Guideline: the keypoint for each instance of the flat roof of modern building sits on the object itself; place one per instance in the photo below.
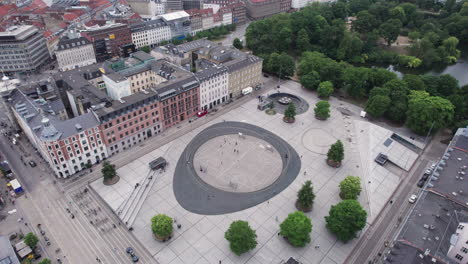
(18, 32)
(175, 15)
(7, 253)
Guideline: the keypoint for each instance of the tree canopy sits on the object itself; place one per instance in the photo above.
(325, 89)
(237, 43)
(427, 112)
(346, 219)
(290, 112)
(45, 261)
(296, 229)
(31, 240)
(322, 110)
(241, 237)
(336, 152)
(161, 225)
(108, 170)
(306, 196)
(350, 188)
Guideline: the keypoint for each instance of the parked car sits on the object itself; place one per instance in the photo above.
(265, 75)
(425, 177)
(32, 163)
(413, 198)
(420, 183)
(202, 113)
(428, 171)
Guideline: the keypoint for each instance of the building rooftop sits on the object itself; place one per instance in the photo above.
(432, 223)
(405, 252)
(442, 206)
(147, 25)
(449, 177)
(18, 32)
(7, 253)
(67, 43)
(175, 15)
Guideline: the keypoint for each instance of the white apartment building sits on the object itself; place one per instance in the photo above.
(148, 8)
(207, 21)
(214, 86)
(74, 53)
(150, 33)
(227, 18)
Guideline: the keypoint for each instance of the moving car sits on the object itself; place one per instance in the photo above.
(32, 163)
(413, 198)
(202, 113)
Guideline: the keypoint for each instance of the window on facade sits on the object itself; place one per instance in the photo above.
(464, 250)
(459, 257)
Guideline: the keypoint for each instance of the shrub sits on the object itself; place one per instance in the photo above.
(161, 225)
(350, 188)
(322, 110)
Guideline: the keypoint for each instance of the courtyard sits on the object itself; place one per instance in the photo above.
(230, 176)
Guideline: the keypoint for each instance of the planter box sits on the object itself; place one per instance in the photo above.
(289, 120)
(305, 210)
(334, 164)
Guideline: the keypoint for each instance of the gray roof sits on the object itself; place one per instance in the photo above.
(207, 73)
(66, 43)
(148, 25)
(36, 119)
(404, 252)
(196, 44)
(432, 223)
(451, 176)
(7, 253)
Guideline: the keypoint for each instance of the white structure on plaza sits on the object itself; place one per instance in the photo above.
(214, 86)
(74, 53)
(300, 3)
(150, 33)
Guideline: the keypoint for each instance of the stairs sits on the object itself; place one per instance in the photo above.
(129, 208)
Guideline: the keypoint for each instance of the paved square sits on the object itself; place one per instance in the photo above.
(201, 238)
(237, 164)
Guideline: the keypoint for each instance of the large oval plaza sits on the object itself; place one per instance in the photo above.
(244, 164)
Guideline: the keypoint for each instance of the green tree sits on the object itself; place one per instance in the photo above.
(306, 196)
(303, 41)
(350, 48)
(290, 112)
(346, 219)
(296, 229)
(282, 65)
(241, 237)
(355, 79)
(365, 22)
(449, 51)
(108, 171)
(377, 105)
(161, 225)
(310, 80)
(237, 43)
(322, 110)
(426, 112)
(325, 89)
(336, 152)
(350, 188)
(414, 82)
(146, 49)
(399, 96)
(45, 261)
(390, 29)
(31, 240)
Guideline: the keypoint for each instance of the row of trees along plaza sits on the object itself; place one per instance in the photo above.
(327, 45)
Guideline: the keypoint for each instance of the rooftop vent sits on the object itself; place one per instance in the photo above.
(78, 127)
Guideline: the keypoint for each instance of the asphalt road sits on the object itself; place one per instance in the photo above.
(385, 226)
